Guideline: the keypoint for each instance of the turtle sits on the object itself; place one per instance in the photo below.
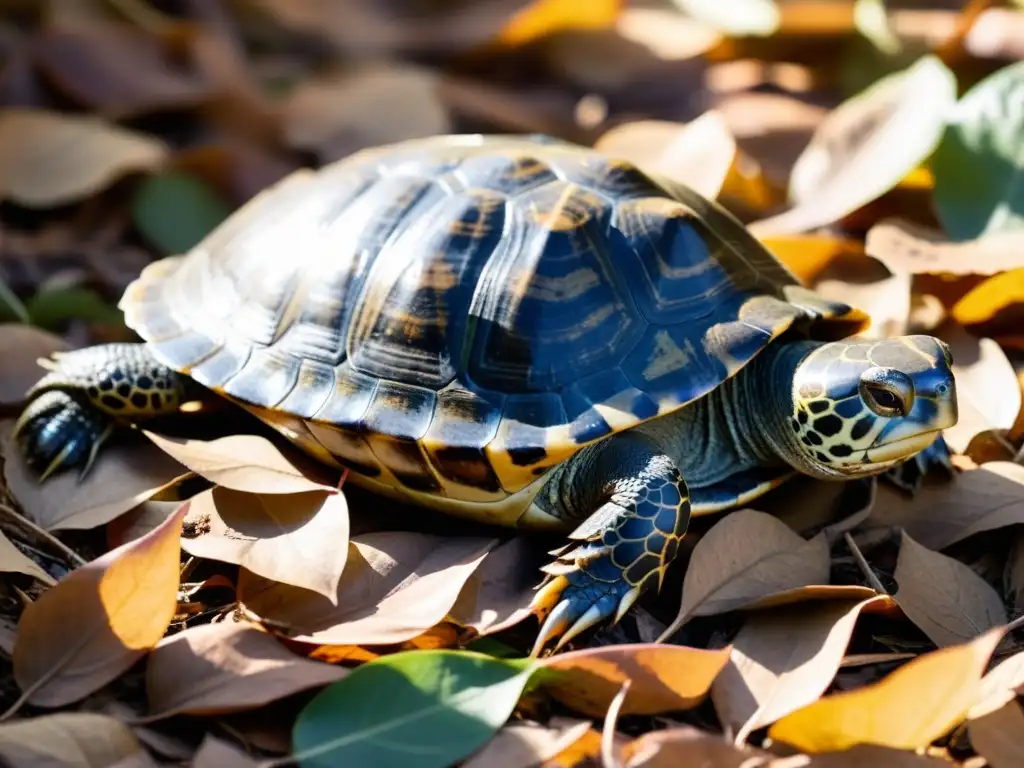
(519, 330)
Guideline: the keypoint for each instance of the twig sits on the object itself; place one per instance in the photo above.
(49, 537)
(863, 563)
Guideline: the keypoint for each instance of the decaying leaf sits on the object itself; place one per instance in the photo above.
(996, 736)
(744, 557)
(905, 247)
(121, 478)
(698, 154)
(527, 744)
(81, 739)
(908, 709)
(14, 560)
(20, 347)
(49, 159)
(999, 686)
(782, 660)
(119, 607)
(248, 463)
(943, 597)
(298, 538)
(863, 148)
(226, 667)
(685, 744)
(395, 586)
(215, 753)
(663, 678)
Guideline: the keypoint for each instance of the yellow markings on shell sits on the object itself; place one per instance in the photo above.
(558, 446)
(667, 356)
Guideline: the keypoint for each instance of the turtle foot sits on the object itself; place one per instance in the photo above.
(57, 432)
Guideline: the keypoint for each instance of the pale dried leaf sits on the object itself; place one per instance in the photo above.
(867, 285)
(999, 685)
(119, 606)
(996, 736)
(298, 538)
(783, 660)
(527, 744)
(698, 154)
(908, 248)
(139, 521)
(20, 347)
(747, 556)
(79, 739)
(859, 756)
(248, 463)
(370, 107)
(982, 499)
(396, 585)
(988, 393)
(49, 159)
(947, 600)
(14, 560)
(215, 753)
(666, 34)
(226, 667)
(688, 746)
(122, 477)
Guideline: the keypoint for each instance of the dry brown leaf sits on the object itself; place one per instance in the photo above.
(13, 560)
(248, 463)
(982, 499)
(226, 667)
(527, 744)
(908, 248)
(79, 739)
(744, 557)
(139, 521)
(908, 709)
(236, 169)
(996, 736)
(822, 592)
(499, 593)
(946, 600)
(1013, 574)
(116, 69)
(860, 756)
(122, 477)
(782, 660)
(49, 159)
(987, 390)
(366, 108)
(865, 146)
(396, 585)
(663, 678)
(999, 686)
(698, 154)
(869, 286)
(119, 607)
(688, 746)
(215, 753)
(20, 347)
(297, 538)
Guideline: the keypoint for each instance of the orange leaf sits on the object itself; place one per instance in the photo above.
(546, 17)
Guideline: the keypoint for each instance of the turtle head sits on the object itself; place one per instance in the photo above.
(861, 407)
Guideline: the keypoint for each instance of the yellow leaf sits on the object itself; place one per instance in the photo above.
(546, 17)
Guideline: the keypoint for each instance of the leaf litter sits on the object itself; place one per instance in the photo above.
(284, 585)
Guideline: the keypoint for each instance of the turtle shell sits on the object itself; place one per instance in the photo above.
(454, 316)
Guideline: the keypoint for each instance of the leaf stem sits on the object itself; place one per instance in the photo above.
(865, 568)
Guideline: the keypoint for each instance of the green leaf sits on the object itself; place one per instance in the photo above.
(51, 309)
(175, 210)
(415, 709)
(979, 165)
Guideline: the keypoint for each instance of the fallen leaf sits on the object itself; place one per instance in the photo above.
(215, 753)
(744, 557)
(999, 686)
(299, 538)
(20, 347)
(977, 165)
(122, 477)
(226, 667)
(668, 35)
(946, 599)
(174, 211)
(809, 256)
(686, 746)
(431, 708)
(996, 736)
(372, 106)
(987, 392)
(663, 678)
(861, 755)
(698, 154)
(120, 605)
(139, 521)
(868, 285)
(822, 592)
(395, 586)
(88, 63)
(543, 18)
(907, 709)
(739, 18)
(80, 739)
(865, 146)
(782, 660)
(13, 560)
(982, 499)
(49, 159)
(908, 248)
(248, 463)
(1013, 574)
(998, 299)
(526, 744)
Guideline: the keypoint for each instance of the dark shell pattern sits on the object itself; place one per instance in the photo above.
(456, 315)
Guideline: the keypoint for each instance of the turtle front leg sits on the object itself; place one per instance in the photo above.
(87, 392)
(640, 509)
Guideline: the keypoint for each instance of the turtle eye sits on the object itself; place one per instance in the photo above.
(887, 392)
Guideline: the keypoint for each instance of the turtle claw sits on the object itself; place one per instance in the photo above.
(56, 432)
